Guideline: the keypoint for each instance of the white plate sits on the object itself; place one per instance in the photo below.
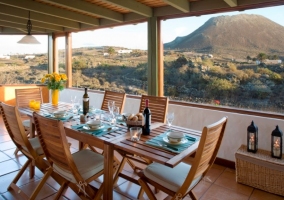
(93, 129)
(184, 140)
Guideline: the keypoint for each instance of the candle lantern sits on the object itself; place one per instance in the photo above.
(252, 138)
(276, 143)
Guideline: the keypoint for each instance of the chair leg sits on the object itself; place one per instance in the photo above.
(99, 193)
(18, 176)
(41, 183)
(192, 196)
(147, 189)
(61, 190)
(16, 151)
(120, 168)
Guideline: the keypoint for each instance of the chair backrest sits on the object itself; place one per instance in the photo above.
(23, 96)
(118, 97)
(206, 153)
(15, 129)
(54, 143)
(158, 107)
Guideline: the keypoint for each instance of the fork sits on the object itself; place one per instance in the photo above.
(167, 146)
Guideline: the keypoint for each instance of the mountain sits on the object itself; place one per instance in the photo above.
(244, 33)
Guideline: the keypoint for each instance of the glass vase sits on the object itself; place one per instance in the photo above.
(55, 97)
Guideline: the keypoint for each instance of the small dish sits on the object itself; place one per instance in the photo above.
(94, 124)
(183, 141)
(93, 129)
(175, 136)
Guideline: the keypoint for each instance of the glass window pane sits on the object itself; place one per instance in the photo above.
(111, 59)
(22, 63)
(229, 59)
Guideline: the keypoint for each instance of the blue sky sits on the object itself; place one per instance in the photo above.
(132, 36)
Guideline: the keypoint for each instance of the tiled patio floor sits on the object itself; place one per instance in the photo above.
(219, 184)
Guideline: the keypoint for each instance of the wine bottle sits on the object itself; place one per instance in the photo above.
(85, 102)
(147, 118)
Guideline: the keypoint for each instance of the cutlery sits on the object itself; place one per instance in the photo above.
(167, 146)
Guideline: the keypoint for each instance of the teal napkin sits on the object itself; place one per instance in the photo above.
(100, 132)
(177, 148)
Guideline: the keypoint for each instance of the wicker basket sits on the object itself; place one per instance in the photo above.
(260, 170)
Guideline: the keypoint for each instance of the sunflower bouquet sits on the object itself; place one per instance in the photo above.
(54, 81)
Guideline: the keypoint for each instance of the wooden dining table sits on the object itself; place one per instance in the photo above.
(119, 139)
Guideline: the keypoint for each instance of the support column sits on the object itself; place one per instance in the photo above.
(68, 57)
(155, 58)
(152, 56)
(55, 54)
(50, 53)
(160, 62)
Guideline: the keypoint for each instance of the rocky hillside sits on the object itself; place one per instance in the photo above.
(242, 34)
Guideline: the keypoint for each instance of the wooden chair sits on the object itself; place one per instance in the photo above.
(158, 107)
(179, 181)
(118, 97)
(79, 168)
(23, 97)
(30, 147)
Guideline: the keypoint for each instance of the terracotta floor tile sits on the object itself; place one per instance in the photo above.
(228, 180)
(53, 196)
(45, 191)
(10, 153)
(201, 188)
(262, 195)
(5, 138)
(6, 179)
(70, 194)
(8, 167)
(216, 192)
(214, 173)
(7, 145)
(3, 157)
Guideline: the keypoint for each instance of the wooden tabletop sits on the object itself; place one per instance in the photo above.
(120, 140)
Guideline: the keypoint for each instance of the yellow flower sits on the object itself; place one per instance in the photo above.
(57, 78)
(63, 77)
(42, 80)
(54, 81)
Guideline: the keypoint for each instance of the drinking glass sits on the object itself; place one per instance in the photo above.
(116, 112)
(170, 119)
(77, 105)
(73, 99)
(111, 105)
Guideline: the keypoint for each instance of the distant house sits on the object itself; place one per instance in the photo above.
(124, 51)
(29, 57)
(210, 55)
(4, 57)
(106, 54)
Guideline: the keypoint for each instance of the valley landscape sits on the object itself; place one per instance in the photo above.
(234, 61)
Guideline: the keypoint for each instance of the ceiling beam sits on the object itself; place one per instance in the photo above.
(34, 23)
(182, 5)
(232, 3)
(133, 6)
(8, 30)
(89, 8)
(51, 10)
(23, 27)
(17, 12)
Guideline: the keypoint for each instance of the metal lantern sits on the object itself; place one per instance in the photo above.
(252, 138)
(276, 143)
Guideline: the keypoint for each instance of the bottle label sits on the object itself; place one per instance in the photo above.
(85, 99)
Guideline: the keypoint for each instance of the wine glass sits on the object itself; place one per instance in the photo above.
(111, 105)
(73, 99)
(170, 119)
(77, 105)
(116, 112)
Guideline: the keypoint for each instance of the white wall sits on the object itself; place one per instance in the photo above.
(197, 118)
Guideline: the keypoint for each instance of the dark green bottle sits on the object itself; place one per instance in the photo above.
(85, 102)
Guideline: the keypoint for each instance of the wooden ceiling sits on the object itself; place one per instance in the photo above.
(57, 16)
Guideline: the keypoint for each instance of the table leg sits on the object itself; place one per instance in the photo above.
(108, 171)
(32, 128)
